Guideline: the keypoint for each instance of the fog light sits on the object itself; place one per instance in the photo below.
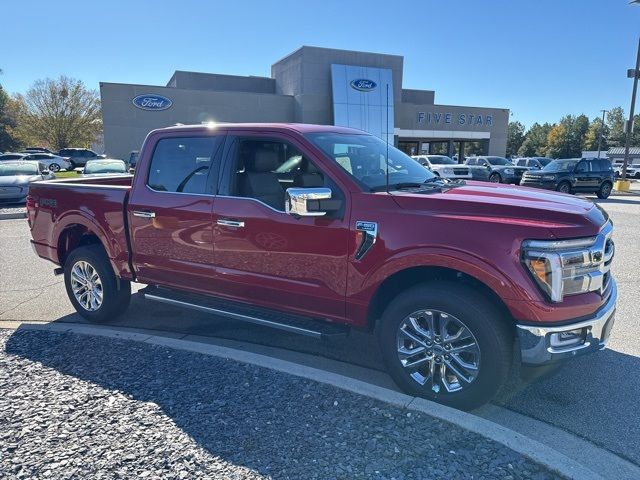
(567, 339)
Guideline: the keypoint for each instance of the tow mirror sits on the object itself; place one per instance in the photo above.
(310, 202)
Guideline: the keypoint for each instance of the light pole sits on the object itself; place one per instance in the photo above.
(635, 73)
(601, 131)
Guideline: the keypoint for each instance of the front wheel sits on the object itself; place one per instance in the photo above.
(604, 191)
(446, 343)
(495, 178)
(92, 286)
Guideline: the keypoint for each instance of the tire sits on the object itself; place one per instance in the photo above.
(564, 187)
(495, 178)
(605, 190)
(492, 337)
(54, 167)
(116, 293)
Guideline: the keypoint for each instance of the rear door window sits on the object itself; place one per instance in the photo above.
(184, 164)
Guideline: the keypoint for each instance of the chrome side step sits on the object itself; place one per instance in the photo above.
(298, 325)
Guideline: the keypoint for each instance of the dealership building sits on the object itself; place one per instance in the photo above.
(311, 85)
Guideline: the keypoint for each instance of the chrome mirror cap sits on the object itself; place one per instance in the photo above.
(297, 198)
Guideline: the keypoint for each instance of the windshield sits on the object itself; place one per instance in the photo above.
(499, 161)
(561, 165)
(12, 169)
(441, 160)
(544, 161)
(115, 166)
(363, 157)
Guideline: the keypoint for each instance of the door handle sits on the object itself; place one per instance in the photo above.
(230, 223)
(144, 214)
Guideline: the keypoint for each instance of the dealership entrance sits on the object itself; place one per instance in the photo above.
(460, 148)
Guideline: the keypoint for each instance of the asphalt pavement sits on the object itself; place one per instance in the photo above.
(594, 397)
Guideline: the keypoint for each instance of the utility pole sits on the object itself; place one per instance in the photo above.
(601, 132)
(629, 130)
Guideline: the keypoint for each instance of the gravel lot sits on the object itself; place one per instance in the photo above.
(74, 406)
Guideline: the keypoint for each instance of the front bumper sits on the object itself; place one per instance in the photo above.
(534, 183)
(536, 340)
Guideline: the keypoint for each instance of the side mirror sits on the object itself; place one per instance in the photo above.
(310, 202)
(45, 172)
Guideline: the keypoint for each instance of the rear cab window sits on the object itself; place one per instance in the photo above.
(184, 165)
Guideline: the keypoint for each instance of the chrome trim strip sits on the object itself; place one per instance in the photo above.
(535, 347)
(235, 316)
(254, 199)
(143, 214)
(230, 223)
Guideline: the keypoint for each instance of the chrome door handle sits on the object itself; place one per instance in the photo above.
(230, 223)
(144, 214)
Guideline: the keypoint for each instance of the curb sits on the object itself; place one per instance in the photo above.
(13, 216)
(517, 442)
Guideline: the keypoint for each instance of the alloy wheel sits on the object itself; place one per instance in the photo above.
(86, 285)
(437, 350)
(54, 167)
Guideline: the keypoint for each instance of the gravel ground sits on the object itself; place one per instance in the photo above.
(74, 406)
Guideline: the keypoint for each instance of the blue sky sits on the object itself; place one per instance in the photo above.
(540, 58)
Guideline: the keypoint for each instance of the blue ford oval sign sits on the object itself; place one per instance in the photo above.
(363, 85)
(152, 102)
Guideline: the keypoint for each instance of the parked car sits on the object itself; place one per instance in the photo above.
(454, 278)
(633, 169)
(11, 156)
(573, 175)
(15, 177)
(499, 169)
(443, 166)
(79, 156)
(54, 163)
(533, 163)
(107, 166)
(133, 159)
(37, 150)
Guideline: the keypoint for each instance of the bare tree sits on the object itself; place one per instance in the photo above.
(58, 113)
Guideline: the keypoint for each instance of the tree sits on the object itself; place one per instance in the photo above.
(566, 139)
(7, 123)
(615, 123)
(515, 137)
(535, 142)
(592, 138)
(557, 141)
(58, 113)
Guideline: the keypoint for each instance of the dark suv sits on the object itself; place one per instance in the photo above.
(79, 156)
(573, 175)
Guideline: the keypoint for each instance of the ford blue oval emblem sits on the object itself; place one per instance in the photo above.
(152, 102)
(363, 85)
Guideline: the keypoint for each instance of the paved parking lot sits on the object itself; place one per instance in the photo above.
(594, 397)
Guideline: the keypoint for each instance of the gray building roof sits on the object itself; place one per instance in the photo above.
(619, 152)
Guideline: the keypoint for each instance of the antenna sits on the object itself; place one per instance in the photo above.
(386, 136)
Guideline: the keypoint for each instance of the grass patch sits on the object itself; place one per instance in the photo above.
(70, 174)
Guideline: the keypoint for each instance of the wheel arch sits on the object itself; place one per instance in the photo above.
(75, 235)
(409, 277)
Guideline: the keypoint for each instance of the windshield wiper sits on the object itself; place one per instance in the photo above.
(401, 185)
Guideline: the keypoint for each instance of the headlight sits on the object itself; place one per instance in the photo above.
(548, 177)
(568, 267)
(447, 170)
(508, 171)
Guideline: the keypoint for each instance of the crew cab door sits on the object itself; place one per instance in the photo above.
(170, 210)
(265, 256)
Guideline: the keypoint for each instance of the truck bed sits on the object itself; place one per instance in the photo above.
(89, 206)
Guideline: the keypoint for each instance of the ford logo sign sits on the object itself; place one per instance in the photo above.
(152, 102)
(363, 85)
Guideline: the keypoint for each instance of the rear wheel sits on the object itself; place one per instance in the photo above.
(564, 187)
(605, 190)
(92, 286)
(54, 167)
(446, 343)
(495, 178)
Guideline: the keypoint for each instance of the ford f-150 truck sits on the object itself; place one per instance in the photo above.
(320, 229)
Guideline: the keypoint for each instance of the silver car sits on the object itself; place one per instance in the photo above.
(15, 177)
(107, 166)
(443, 166)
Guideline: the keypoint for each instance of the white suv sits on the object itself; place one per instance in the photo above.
(443, 166)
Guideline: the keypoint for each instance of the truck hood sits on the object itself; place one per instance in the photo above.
(564, 216)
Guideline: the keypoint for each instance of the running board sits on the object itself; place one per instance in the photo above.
(310, 327)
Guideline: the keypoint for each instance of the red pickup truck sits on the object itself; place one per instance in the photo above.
(320, 229)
